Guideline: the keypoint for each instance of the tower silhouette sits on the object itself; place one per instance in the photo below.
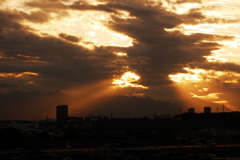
(62, 113)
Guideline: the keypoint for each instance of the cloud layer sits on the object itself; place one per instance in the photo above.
(61, 61)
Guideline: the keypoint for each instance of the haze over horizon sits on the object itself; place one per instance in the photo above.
(37, 106)
(169, 50)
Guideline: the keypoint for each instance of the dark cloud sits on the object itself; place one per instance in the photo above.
(54, 59)
(50, 6)
(38, 16)
(6, 85)
(14, 16)
(195, 16)
(79, 5)
(155, 53)
(147, 13)
(216, 66)
(164, 52)
(69, 37)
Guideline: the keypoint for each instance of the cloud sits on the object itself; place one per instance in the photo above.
(38, 16)
(165, 51)
(196, 16)
(15, 16)
(193, 17)
(217, 66)
(221, 21)
(188, 1)
(85, 6)
(62, 63)
(69, 37)
(76, 5)
(47, 5)
(7, 85)
(53, 58)
(2, 1)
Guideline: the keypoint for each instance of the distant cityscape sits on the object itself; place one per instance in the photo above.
(187, 135)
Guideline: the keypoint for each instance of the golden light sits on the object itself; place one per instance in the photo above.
(231, 44)
(193, 75)
(182, 77)
(88, 94)
(199, 28)
(125, 15)
(89, 26)
(18, 74)
(94, 2)
(203, 90)
(202, 81)
(225, 26)
(213, 58)
(128, 79)
(211, 97)
(120, 54)
(208, 76)
(222, 102)
(224, 55)
(185, 7)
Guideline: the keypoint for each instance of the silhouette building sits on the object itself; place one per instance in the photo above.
(62, 113)
(207, 109)
(191, 110)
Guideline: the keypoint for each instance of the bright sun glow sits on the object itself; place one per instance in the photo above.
(191, 76)
(196, 81)
(128, 79)
(201, 75)
(183, 77)
(211, 97)
(120, 54)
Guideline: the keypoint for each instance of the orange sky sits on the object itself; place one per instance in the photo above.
(169, 50)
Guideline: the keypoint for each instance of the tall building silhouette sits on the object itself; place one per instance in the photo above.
(207, 109)
(191, 110)
(62, 113)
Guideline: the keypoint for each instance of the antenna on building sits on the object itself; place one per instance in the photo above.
(223, 108)
(217, 109)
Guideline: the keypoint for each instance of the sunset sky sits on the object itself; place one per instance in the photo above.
(169, 50)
